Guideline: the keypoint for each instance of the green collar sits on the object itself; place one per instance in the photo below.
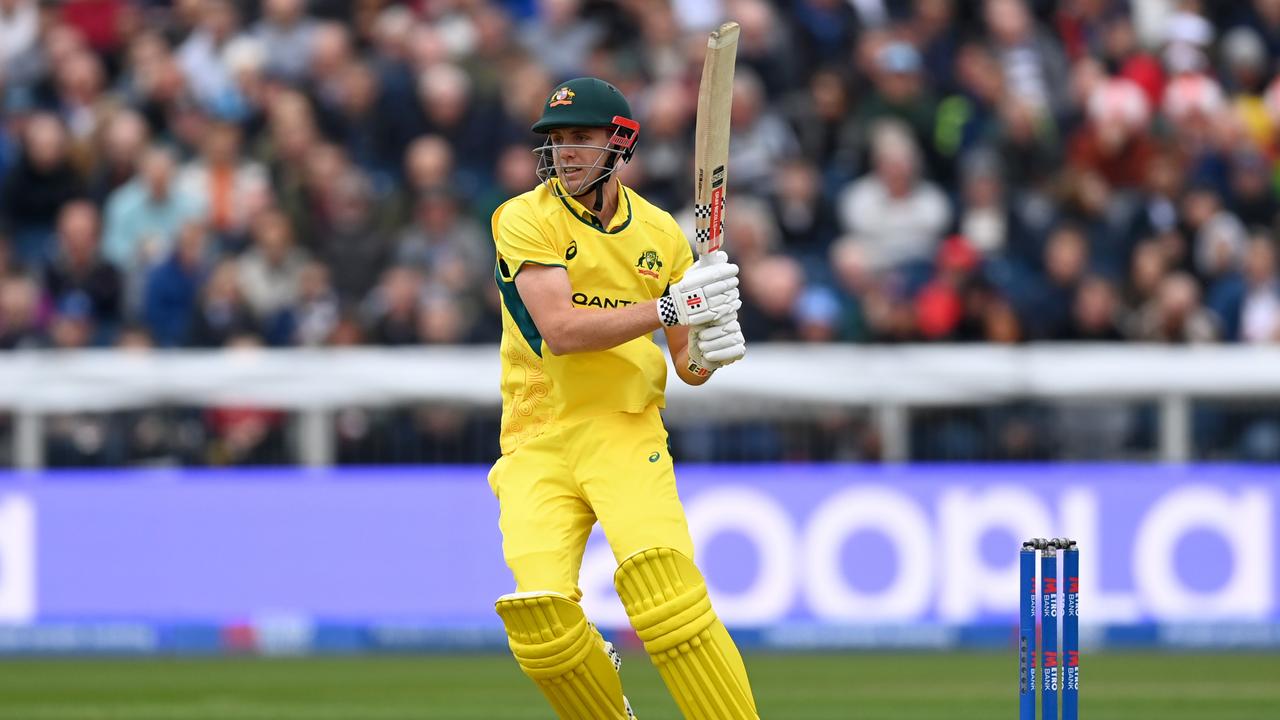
(586, 217)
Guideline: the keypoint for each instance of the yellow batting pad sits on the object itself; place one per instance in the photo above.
(666, 599)
(564, 654)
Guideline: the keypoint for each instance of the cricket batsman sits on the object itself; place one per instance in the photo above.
(588, 270)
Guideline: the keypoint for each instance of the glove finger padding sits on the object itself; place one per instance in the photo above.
(725, 326)
(711, 345)
(727, 356)
(720, 287)
(724, 305)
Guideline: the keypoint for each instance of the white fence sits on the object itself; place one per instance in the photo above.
(892, 381)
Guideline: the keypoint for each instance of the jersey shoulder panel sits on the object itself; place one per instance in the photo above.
(523, 234)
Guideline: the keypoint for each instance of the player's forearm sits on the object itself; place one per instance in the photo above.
(588, 330)
(681, 361)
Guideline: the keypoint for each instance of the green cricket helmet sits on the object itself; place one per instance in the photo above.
(588, 102)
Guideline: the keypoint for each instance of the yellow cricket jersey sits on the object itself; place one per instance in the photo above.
(634, 259)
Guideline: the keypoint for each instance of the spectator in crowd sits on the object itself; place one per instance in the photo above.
(447, 246)
(1095, 312)
(1114, 142)
(560, 37)
(765, 47)
(172, 287)
(826, 127)
(234, 186)
(940, 305)
(1033, 63)
(42, 181)
(1220, 246)
(753, 228)
(270, 273)
(143, 217)
(78, 276)
(772, 288)
(451, 108)
(894, 211)
(985, 219)
(1252, 197)
(429, 167)
(1260, 310)
(516, 164)
(285, 33)
(900, 94)
(80, 100)
(851, 281)
(356, 123)
(200, 56)
(151, 81)
(1066, 261)
(760, 138)
(19, 28)
(221, 314)
(1028, 146)
(666, 178)
(354, 244)
(20, 314)
(297, 161)
(1175, 315)
(968, 117)
(825, 30)
(124, 139)
(393, 308)
(805, 216)
(314, 317)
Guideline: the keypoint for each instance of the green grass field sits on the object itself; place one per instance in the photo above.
(865, 686)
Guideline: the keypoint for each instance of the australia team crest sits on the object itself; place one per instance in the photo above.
(649, 263)
(563, 96)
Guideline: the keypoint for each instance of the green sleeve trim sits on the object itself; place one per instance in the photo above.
(539, 264)
(516, 307)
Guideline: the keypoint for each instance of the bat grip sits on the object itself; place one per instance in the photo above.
(707, 259)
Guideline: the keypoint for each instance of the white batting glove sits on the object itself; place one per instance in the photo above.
(712, 347)
(704, 295)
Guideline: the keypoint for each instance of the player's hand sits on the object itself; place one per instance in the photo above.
(712, 347)
(705, 295)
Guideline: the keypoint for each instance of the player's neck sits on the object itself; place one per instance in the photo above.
(608, 204)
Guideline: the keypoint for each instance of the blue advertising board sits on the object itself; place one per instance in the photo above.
(795, 555)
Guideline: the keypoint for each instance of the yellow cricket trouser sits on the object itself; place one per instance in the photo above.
(551, 490)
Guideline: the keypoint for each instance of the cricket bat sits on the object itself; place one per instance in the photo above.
(711, 141)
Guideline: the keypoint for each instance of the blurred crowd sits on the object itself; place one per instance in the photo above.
(209, 173)
(294, 172)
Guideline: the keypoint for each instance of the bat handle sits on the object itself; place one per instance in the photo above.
(706, 259)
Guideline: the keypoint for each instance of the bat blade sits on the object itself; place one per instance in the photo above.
(711, 141)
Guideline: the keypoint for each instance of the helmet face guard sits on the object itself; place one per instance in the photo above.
(621, 145)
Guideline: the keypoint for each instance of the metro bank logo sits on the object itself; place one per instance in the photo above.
(17, 559)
